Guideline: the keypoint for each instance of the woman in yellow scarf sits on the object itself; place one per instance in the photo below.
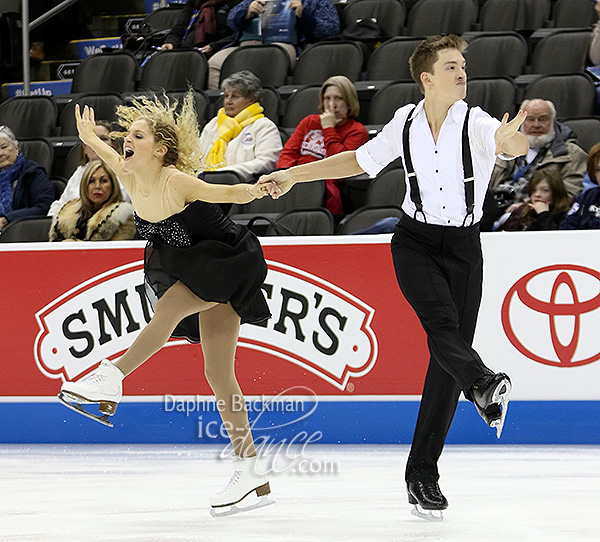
(240, 138)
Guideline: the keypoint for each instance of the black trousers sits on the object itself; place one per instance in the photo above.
(440, 273)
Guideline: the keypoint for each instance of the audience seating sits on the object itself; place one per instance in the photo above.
(587, 130)
(573, 95)
(562, 51)
(492, 54)
(431, 17)
(39, 150)
(390, 60)
(104, 73)
(29, 116)
(318, 221)
(366, 216)
(270, 63)
(175, 69)
(388, 188)
(496, 95)
(390, 15)
(26, 230)
(104, 106)
(322, 60)
(390, 98)
(305, 101)
(573, 13)
(519, 15)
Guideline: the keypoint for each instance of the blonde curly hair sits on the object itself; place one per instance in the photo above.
(173, 126)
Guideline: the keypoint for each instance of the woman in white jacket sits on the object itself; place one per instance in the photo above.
(240, 138)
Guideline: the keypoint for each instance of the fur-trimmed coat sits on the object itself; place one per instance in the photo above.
(112, 222)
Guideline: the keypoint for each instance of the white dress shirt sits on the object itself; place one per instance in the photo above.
(438, 165)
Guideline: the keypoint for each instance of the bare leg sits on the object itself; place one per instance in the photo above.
(177, 303)
(219, 329)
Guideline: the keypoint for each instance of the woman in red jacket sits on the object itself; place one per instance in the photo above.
(333, 131)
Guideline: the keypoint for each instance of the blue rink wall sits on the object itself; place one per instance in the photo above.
(325, 422)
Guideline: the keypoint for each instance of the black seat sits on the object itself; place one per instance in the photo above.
(320, 61)
(222, 177)
(562, 51)
(201, 104)
(104, 106)
(497, 95)
(29, 116)
(492, 54)
(367, 216)
(432, 17)
(71, 161)
(587, 130)
(518, 15)
(390, 60)
(59, 184)
(270, 63)
(573, 95)
(175, 69)
(106, 72)
(305, 101)
(39, 150)
(390, 98)
(27, 230)
(317, 221)
(164, 18)
(390, 15)
(388, 188)
(573, 13)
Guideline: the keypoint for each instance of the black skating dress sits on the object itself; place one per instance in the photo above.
(214, 257)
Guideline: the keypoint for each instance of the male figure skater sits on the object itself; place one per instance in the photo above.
(449, 152)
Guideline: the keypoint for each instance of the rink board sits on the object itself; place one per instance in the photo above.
(342, 359)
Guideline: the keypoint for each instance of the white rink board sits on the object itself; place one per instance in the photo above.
(569, 263)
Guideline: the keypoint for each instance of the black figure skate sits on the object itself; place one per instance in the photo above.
(428, 500)
(490, 396)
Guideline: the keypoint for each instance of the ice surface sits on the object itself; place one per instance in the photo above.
(142, 493)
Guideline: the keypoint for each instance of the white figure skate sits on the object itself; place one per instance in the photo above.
(245, 480)
(104, 385)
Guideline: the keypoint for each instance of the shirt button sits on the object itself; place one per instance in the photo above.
(448, 222)
(441, 188)
(437, 170)
(443, 207)
(436, 152)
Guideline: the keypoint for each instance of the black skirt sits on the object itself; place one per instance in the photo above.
(218, 260)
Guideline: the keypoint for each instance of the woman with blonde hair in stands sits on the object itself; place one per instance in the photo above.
(334, 130)
(99, 213)
(206, 271)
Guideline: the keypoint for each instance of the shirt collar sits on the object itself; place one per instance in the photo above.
(456, 112)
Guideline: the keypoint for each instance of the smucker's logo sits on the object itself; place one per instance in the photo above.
(547, 311)
(315, 324)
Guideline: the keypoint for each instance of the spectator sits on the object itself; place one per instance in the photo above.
(240, 138)
(202, 24)
(99, 213)
(334, 130)
(585, 211)
(552, 146)
(594, 52)
(546, 206)
(314, 20)
(86, 155)
(25, 189)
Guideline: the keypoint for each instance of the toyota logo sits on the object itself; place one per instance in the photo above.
(550, 310)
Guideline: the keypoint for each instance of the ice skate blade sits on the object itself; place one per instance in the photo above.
(427, 515)
(234, 509)
(501, 395)
(76, 406)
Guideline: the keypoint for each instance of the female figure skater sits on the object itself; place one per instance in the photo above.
(206, 270)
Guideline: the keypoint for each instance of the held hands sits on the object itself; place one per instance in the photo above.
(507, 130)
(257, 191)
(86, 123)
(277, 183)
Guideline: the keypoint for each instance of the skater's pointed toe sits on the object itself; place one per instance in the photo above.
(490, 396)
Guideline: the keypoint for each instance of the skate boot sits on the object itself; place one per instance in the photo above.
(427, 498)
(490, 396)
(245, 480)
(104, 385)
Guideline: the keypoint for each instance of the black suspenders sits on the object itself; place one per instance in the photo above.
(415, 195)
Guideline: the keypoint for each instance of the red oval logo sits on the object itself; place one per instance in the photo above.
(558, 278)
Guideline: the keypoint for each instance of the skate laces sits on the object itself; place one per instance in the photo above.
(234, 480)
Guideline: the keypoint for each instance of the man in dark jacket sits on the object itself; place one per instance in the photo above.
(25, 189)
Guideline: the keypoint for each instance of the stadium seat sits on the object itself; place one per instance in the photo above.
(104, 106)
(562, 51)
(388, 188)
(587, 130)
(270, 63)
(367, 216)
(573, 95)
(390, 15)
(516, 15)
(106, 72)
(573, 13)
(386, 101)
(305, 101)
(497, 95)
(318, 221)
(320, 61)
(493, 54)
(39, 150)
(29, 116)
(432, 17)
(389, 62)
(175, 69)
(27, 230)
